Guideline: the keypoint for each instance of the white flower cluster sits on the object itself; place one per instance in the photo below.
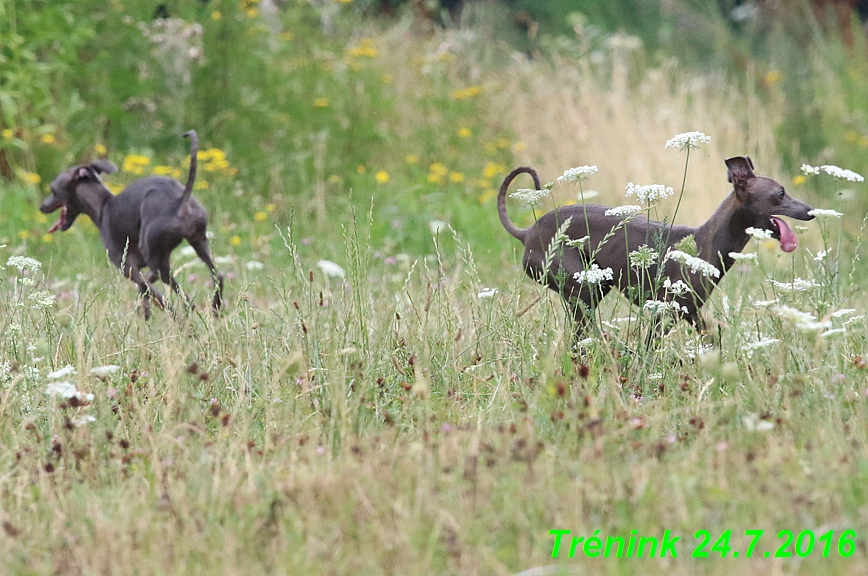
(42, 299)
(529, 197)
(643, 257)
(842, 312)
(329, 268)
(623, 211)
(749, 257)
(577, 174)
(758, 233)
(657, 307)
(24, 263)
(66, 389)
(821, 255)
(804, 321)
(696, 265)
(687, 141)
(486, 293)
(809, 170)
(797, 285)
(824, 213)
(577, 242)
(104, 371)
(833, 171)
(752, 347)
(677, 288)
(649, 193)
(593, 275)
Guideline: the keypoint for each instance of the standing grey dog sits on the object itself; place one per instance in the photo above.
(142, 225)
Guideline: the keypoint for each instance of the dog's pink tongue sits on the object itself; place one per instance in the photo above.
(59, 222)
(789, 242)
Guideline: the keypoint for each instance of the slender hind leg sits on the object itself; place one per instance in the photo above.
(200, 245)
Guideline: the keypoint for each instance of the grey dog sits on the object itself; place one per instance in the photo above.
(142, 225)
(755, 201)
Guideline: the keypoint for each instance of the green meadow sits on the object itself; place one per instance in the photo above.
(386, 391)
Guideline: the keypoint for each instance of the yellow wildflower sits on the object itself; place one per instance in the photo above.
(47, 238)
(464, 132)
(361, 169)
(115, 188)
(135, 163)
(492, 169)
(260, 216)
(518, 146)
(24, 234)
(100, 149)
(7, 133)
(435, 178)
(201, 185)
(163, 170)
(438, 168)
(466, 93)
(412, 158)
(235, 240)
(48, 138)
(382, 176)
(287, 36)
(31, 177)
(365, 48)
(772, 77)
(798, 180)
(387, 78)
(334, 178)
(216, 15)
(41, 218)
(456, 177)
(321, 103)
(487, 195)
(270, 207)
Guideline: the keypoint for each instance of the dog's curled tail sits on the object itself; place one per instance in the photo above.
(519, 233)
(191, 177)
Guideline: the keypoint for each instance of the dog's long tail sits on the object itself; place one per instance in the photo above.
(191, 177)
(519, 233)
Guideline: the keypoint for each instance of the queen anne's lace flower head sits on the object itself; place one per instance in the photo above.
(758, 233)
(649, 193)
(578, 174)
(687, 141)
(696, 264)
(529, 197)
(593, 275)
(824, 213)
(623, 211)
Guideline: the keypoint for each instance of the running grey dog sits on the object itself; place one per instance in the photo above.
(755, 201)
(142, 225)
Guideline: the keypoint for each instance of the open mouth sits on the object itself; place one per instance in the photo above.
(782, 232)
(61, 223)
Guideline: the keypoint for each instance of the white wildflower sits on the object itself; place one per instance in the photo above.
(593, 275)
(696, 348)
(764, 303)
(853, 320)
(808, 170)
(643, 257)
(64, 372)
(486, 293)
(657, 307)
(842, 312)
(749, 257)
(436, 227)
(797, 285)
(82, 420)
(187, 251)
(583, 195)
(824, 213)
(696, 264)
(655, 376)
(5, 371)
(63, 389)
(804, 321)
(836, 172)
(24, 263)
(833, 332)
(584, 342)
(577, 174)
(104, 371)
(623, 211)
(254, 265)
(752, 347)
(821, 255)
(42, 299)
(578, 242)
(224, 260)
(649, 193)
(529, 197)
(329, 268)
(687, 141)
(27, 281)
(677, 288)
(758, 233)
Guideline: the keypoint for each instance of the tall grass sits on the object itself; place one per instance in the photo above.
(403, 418)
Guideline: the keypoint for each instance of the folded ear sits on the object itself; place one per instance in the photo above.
(740, 170)
(103, 165)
